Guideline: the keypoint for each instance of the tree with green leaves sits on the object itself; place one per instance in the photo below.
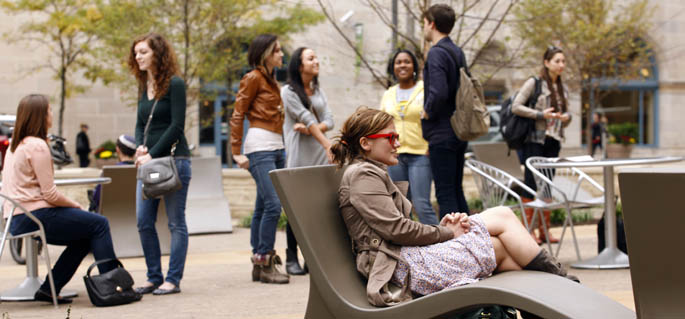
(65, 29)
(601, 39)
(210, 37)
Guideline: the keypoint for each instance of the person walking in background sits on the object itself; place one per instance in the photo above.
(596, 133)
(307, 118)
(551, 117)
(259, 99)
(126, 151)
(28, 178)
(162, 107)
(404, 101)
(441, 82)
(83, 146)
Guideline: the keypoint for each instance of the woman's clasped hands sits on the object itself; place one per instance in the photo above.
(457, 222)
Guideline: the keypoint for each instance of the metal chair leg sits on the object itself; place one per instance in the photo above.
(46, 257)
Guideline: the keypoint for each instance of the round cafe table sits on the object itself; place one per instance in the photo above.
(611, 257)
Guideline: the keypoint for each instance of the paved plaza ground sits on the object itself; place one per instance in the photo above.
(217, 284)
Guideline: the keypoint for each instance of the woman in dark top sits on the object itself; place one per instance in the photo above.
(154, 65)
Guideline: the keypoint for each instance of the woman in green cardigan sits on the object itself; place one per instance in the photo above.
(154, 65)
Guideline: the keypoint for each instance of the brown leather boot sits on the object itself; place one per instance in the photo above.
(552, 239)
(546, 263)
(271, 273)
(257, 262)
(529, 213)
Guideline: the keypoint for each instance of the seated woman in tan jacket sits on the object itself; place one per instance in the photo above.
(399, 255)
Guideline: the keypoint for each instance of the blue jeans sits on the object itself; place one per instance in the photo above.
(146, 212)
(82, 232)
(447, 164)
(267, 208)
(417, 170)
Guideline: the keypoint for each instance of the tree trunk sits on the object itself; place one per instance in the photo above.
(62, 97)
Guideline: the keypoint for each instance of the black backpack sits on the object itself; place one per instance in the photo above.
(515, 129)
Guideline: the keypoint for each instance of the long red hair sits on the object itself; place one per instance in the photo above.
(164, 64)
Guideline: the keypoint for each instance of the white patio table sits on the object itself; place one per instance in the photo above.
(611, 257)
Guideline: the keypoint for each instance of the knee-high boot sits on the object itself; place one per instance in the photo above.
(546, 263)
(552, 239)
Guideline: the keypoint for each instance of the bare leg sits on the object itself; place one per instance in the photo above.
(502, 257)
(503, 225)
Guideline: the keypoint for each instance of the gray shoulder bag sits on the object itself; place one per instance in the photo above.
(159, 175)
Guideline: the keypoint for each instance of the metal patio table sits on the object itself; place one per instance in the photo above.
(611, 257)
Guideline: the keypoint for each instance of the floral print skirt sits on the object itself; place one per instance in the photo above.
(452, 263)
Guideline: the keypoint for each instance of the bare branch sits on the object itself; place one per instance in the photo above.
(492, 34)
(393, 27)
(481, 24)
(349, 42)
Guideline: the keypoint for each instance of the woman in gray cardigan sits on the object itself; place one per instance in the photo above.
(551, 117)
(307, 118)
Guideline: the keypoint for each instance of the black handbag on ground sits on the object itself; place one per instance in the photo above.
(488, 312)
(112, 288)
(159, 175)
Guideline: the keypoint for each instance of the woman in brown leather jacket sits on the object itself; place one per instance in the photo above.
(399, 255)
(259, 99)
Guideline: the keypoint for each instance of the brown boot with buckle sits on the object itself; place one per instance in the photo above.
(258, 261)
(271, 273)
(545, 262)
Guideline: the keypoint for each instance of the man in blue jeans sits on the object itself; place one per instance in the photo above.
(441, 82)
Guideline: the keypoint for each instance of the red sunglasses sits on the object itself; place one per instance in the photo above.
(392, 137)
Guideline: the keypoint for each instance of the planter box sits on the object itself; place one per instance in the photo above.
(619, 150)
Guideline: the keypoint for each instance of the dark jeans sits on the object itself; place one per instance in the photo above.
(267, 208)
(447, 165)
(146, 213)
(82, 232)
(551, 148)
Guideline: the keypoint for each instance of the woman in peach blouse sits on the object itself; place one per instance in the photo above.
(28, 178)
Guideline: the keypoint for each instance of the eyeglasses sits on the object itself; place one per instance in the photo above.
(392, 137)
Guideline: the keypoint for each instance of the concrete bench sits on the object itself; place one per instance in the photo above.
(207, 209)
(310, 198)
(118, 204)
(653, 218)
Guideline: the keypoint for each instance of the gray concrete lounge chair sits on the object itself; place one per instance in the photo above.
(337, 290)
(118, 204)
(207, 209)
(654, 221)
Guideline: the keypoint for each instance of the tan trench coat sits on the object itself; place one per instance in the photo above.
(377, 217)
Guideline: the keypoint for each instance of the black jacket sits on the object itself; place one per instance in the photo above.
(82, 143)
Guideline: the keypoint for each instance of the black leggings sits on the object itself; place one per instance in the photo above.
(551, 148)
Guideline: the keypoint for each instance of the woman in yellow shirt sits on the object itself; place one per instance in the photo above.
(404, 101)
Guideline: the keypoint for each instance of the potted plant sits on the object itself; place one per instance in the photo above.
(622, 136)
(105, 154)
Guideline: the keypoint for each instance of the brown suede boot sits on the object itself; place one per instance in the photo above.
(546, 263)
(552, 239)
(257, 262)
(271, 274)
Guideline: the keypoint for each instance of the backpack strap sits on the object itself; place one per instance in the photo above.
(456, 60)
(533, 98)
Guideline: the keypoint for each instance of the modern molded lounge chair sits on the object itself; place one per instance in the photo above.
(207, 209)
(118, 204)
(654, 220)
(310, 198)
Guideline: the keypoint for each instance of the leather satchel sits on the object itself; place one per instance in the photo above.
(112, 288)
(159, 175)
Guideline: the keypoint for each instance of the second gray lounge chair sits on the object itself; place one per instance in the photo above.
(337, 290)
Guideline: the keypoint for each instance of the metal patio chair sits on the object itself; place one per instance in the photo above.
(562, 188)
(37, 234)
(496, 187)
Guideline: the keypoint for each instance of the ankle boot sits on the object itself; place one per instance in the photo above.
(292, 264)
(529, 213)
(271, 274)
(552, 239)
(258, 261)
(546, 263)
